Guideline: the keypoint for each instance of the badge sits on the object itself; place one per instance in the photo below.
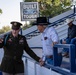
(45, 38)
(21, 41)
(15, 23)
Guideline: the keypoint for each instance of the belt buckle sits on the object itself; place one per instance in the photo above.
(50, 56)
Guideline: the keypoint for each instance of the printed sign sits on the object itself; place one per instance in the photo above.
(29, 11)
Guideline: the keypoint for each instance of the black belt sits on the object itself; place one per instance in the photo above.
(12, 57)
(51, 56)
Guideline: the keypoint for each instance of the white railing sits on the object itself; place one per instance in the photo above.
(33, 68)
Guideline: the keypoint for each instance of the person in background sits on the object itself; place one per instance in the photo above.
(71, 35)
(49, 39)
(73, 41)
(12, 63)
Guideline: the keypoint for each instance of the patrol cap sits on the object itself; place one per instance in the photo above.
(41, 21)
(15, 25)
(69, 20)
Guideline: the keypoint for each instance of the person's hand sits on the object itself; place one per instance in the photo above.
(1, 40)
(54, 43)
(64, 42)
(41, 62)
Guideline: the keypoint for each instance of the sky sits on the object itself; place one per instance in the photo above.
(11, 12)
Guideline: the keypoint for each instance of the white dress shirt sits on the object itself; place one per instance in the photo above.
(49, 36)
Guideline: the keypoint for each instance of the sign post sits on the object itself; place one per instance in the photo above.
(29, 11)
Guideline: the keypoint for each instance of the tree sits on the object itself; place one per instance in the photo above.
(5, 29)
(51, 8)
(0, 11)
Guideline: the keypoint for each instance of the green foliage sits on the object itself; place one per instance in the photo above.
(56, 2)
(25, 27)
(30, 0)
(54, 8)
(0, 11)
(4, 29)
(1, 31)
(51, 7)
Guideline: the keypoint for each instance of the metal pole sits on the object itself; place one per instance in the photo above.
(35, 68)
(25, 67)
(21, 31)
(74, 9)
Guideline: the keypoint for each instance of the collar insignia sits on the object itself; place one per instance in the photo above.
(15, 23)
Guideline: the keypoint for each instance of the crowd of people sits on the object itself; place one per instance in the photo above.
(14, 44)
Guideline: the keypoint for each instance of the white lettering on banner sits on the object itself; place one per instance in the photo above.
(29, 16)
(29, 10)
(32, 6)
